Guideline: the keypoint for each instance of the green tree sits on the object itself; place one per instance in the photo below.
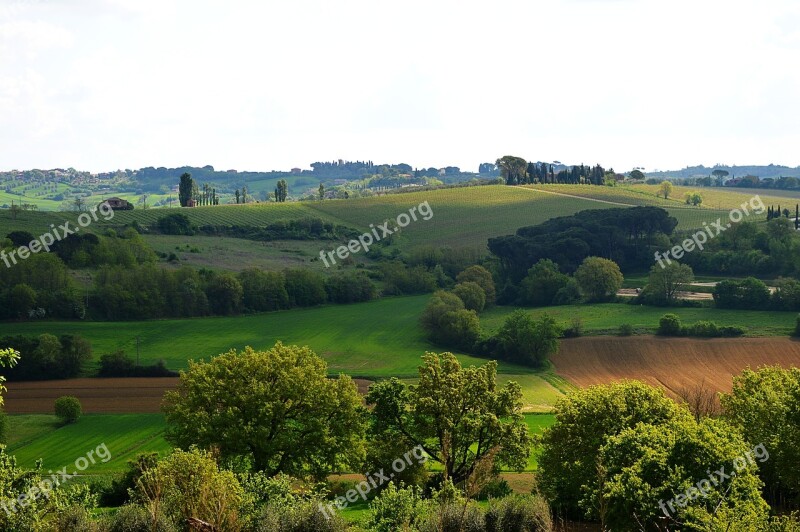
(636, 174)
(513, 169)
(585, 419)
(694, 198)
(540, 286)
(225, 294)
(663, 283)
(281, 191)
(22, 299)
(448, 323)
(8, 359)
(68, 409)
(185, 188)
(763, 404)
(665, 189)
(189, 485)
(598, 278)
(472, 295)
(646, 471)
(458, 415)
(528, 341)
(275, 408)
(321, 192)
(481, 276)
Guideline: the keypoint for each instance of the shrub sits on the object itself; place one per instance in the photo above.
(705, 329)
(394, 509)
(305, 516)
(669, 325)
(471, 294)
(75, 519)
(519, 513)
(454, 517)
(134, 518)
(496, 489)
(68, 409)
(575, 328)
(730, 331)
(626, 329)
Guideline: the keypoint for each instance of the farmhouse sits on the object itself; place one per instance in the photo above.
(119, 204)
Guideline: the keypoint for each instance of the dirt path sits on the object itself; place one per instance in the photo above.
(577, 197)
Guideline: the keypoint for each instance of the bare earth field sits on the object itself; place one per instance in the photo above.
(99, 396)
(671, 363)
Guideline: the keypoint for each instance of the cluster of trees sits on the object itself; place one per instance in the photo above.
(281, 191)
(451, 320)
(39, 287)
(47, 356)
(773, 212)
(670, 325)
(623, 235)
(595, 280)
(753, 294)
(518, 171)
(148, 291)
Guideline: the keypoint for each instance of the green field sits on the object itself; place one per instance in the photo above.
(34, 437)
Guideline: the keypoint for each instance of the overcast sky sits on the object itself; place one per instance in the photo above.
(106, 84)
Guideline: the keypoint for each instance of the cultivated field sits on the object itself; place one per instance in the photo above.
(670, 363)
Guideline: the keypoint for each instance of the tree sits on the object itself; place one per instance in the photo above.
(189, 485)
(694, 198)
(636, 174)
(321, 192)
(458, 415)
(22, 299)
(225, 294)
(663, 283)
(281, 191)
(665, 189)
(237, 196)
(277, 409)
(542, 283)
(68, 409)
(598, 278)
(513, 169)
(471, 294)
(481, 276)
(185, 188)
(448, 323)
(763, 404)
(526, 341)
(585, 420)
(8, 359)
(657, 477)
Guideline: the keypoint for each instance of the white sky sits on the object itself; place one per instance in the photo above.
(106, 84)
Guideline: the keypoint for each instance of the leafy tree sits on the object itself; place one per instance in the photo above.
(263, 290)
(458, 415)
(598, 278)
(189, 485)
(185, 188)
(448, 323)
(22, 299)
(8, 359)
(513, 169)
(585, 419)
(750, 293)
(646, 471)
(20, 238)
(471, 294)
(281, 191)
(526, 341)
(225, 294)
(176, 223)
(636, 174)
(693, 198)
(68, 409)
(276, 408)
(481, 276)
(670, 325)
(665, 189)
(305, 288)
(763, 404)
(321, 192)
(663, 283)
(540, 286)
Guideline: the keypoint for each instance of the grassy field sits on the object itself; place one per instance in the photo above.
(34, 437)
(606, 318)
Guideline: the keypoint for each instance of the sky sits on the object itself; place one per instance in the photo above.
(101, 85)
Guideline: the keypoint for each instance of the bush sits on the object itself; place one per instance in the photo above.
(496, 489)
(705, 329)
(133, 518)
(472, 295)
(669, 325)
(519, 513)
(75, 519)
(395, 509)
(302, 517)
(731, 331)
(626, 329)
(454, 517)
(68, 409)
(575, 328)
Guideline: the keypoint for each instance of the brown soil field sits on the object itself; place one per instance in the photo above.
(671, 363)
(98, 396)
